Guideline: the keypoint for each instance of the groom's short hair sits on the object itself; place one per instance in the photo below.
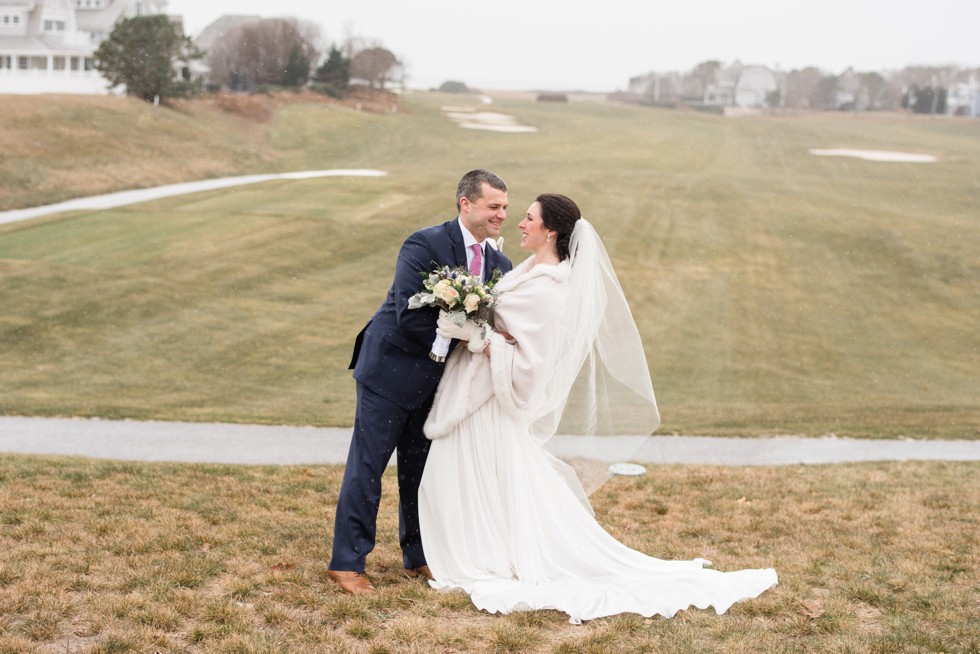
(471, 185)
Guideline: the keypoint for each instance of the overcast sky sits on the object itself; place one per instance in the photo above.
(546, 44)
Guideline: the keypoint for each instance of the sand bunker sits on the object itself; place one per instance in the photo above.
(876, 155)
(470, 118)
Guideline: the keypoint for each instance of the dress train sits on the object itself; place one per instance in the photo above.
(499, 521)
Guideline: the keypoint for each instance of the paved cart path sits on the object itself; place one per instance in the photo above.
(123, 198)
(265, 444)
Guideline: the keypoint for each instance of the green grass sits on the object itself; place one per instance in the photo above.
(776, 292)
(102, 556)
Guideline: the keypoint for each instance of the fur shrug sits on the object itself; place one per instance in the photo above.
(519, 353)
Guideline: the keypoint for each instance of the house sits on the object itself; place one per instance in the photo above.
(742, 86)
(221, 27)
(47, 46)
(963, 98)
(721, 93)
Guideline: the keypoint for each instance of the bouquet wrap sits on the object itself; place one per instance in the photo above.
(460, 294)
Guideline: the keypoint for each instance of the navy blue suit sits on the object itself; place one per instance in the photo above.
(396, 382)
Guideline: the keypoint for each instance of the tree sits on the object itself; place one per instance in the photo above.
(297, 71)
(375, 66)
(801, 85)
(269, 51)
(873, 86)
(925, 100)
(453, 86)
(334, 73)
(824, 95)
(700, 78)
(140, 54)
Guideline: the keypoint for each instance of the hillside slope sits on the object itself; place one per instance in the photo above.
(53, 147)
(776, 291)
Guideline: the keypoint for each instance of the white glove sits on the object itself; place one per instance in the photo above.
(479, 342)
(468, 331)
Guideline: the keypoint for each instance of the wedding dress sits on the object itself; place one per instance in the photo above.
(503, 519)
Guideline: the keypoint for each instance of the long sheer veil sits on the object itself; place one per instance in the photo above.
(599, 397)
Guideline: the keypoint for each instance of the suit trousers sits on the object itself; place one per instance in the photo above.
(380, 427)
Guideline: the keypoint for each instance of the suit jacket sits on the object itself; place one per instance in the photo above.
(391, 354)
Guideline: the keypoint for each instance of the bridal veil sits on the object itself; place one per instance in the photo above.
(599, 393)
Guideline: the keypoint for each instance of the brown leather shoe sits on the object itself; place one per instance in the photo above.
(354, 583)
(421, 571)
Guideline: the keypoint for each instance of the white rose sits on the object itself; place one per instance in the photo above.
(471, 302)
(444, 291)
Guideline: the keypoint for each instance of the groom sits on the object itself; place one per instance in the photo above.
(396, 381)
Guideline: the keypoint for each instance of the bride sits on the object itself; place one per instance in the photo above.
(500, 517)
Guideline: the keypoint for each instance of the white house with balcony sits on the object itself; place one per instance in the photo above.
(47, 46)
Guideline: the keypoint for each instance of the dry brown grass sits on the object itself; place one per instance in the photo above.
(54, 148)
(262, 107)
(60, 148)
(115, 557)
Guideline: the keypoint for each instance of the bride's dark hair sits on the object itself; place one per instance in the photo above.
(560, 214)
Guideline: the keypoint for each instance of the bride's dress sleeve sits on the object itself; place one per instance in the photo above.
(520, 364)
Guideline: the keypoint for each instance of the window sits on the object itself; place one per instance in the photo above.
(58, 63)
(5, 62)
(32, 63)
(89, 63)
(74, 63)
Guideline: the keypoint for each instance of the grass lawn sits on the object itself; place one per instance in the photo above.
(776, 291)
(103, 557)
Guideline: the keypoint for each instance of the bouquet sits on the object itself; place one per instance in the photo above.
(460, 294)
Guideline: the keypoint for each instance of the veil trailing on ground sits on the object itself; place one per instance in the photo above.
(599, 394)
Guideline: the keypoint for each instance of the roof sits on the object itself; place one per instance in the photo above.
(42, 45)
(99, 20)
(223, 25)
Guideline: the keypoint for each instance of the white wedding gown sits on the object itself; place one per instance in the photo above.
(498, 517)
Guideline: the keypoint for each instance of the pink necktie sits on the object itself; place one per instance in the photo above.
(476, 265)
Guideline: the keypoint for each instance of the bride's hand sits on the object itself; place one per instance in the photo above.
(469, 330)
(507, 337)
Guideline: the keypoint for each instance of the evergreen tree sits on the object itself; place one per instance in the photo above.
(140, 54)
(297, 70)
(335, 71)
